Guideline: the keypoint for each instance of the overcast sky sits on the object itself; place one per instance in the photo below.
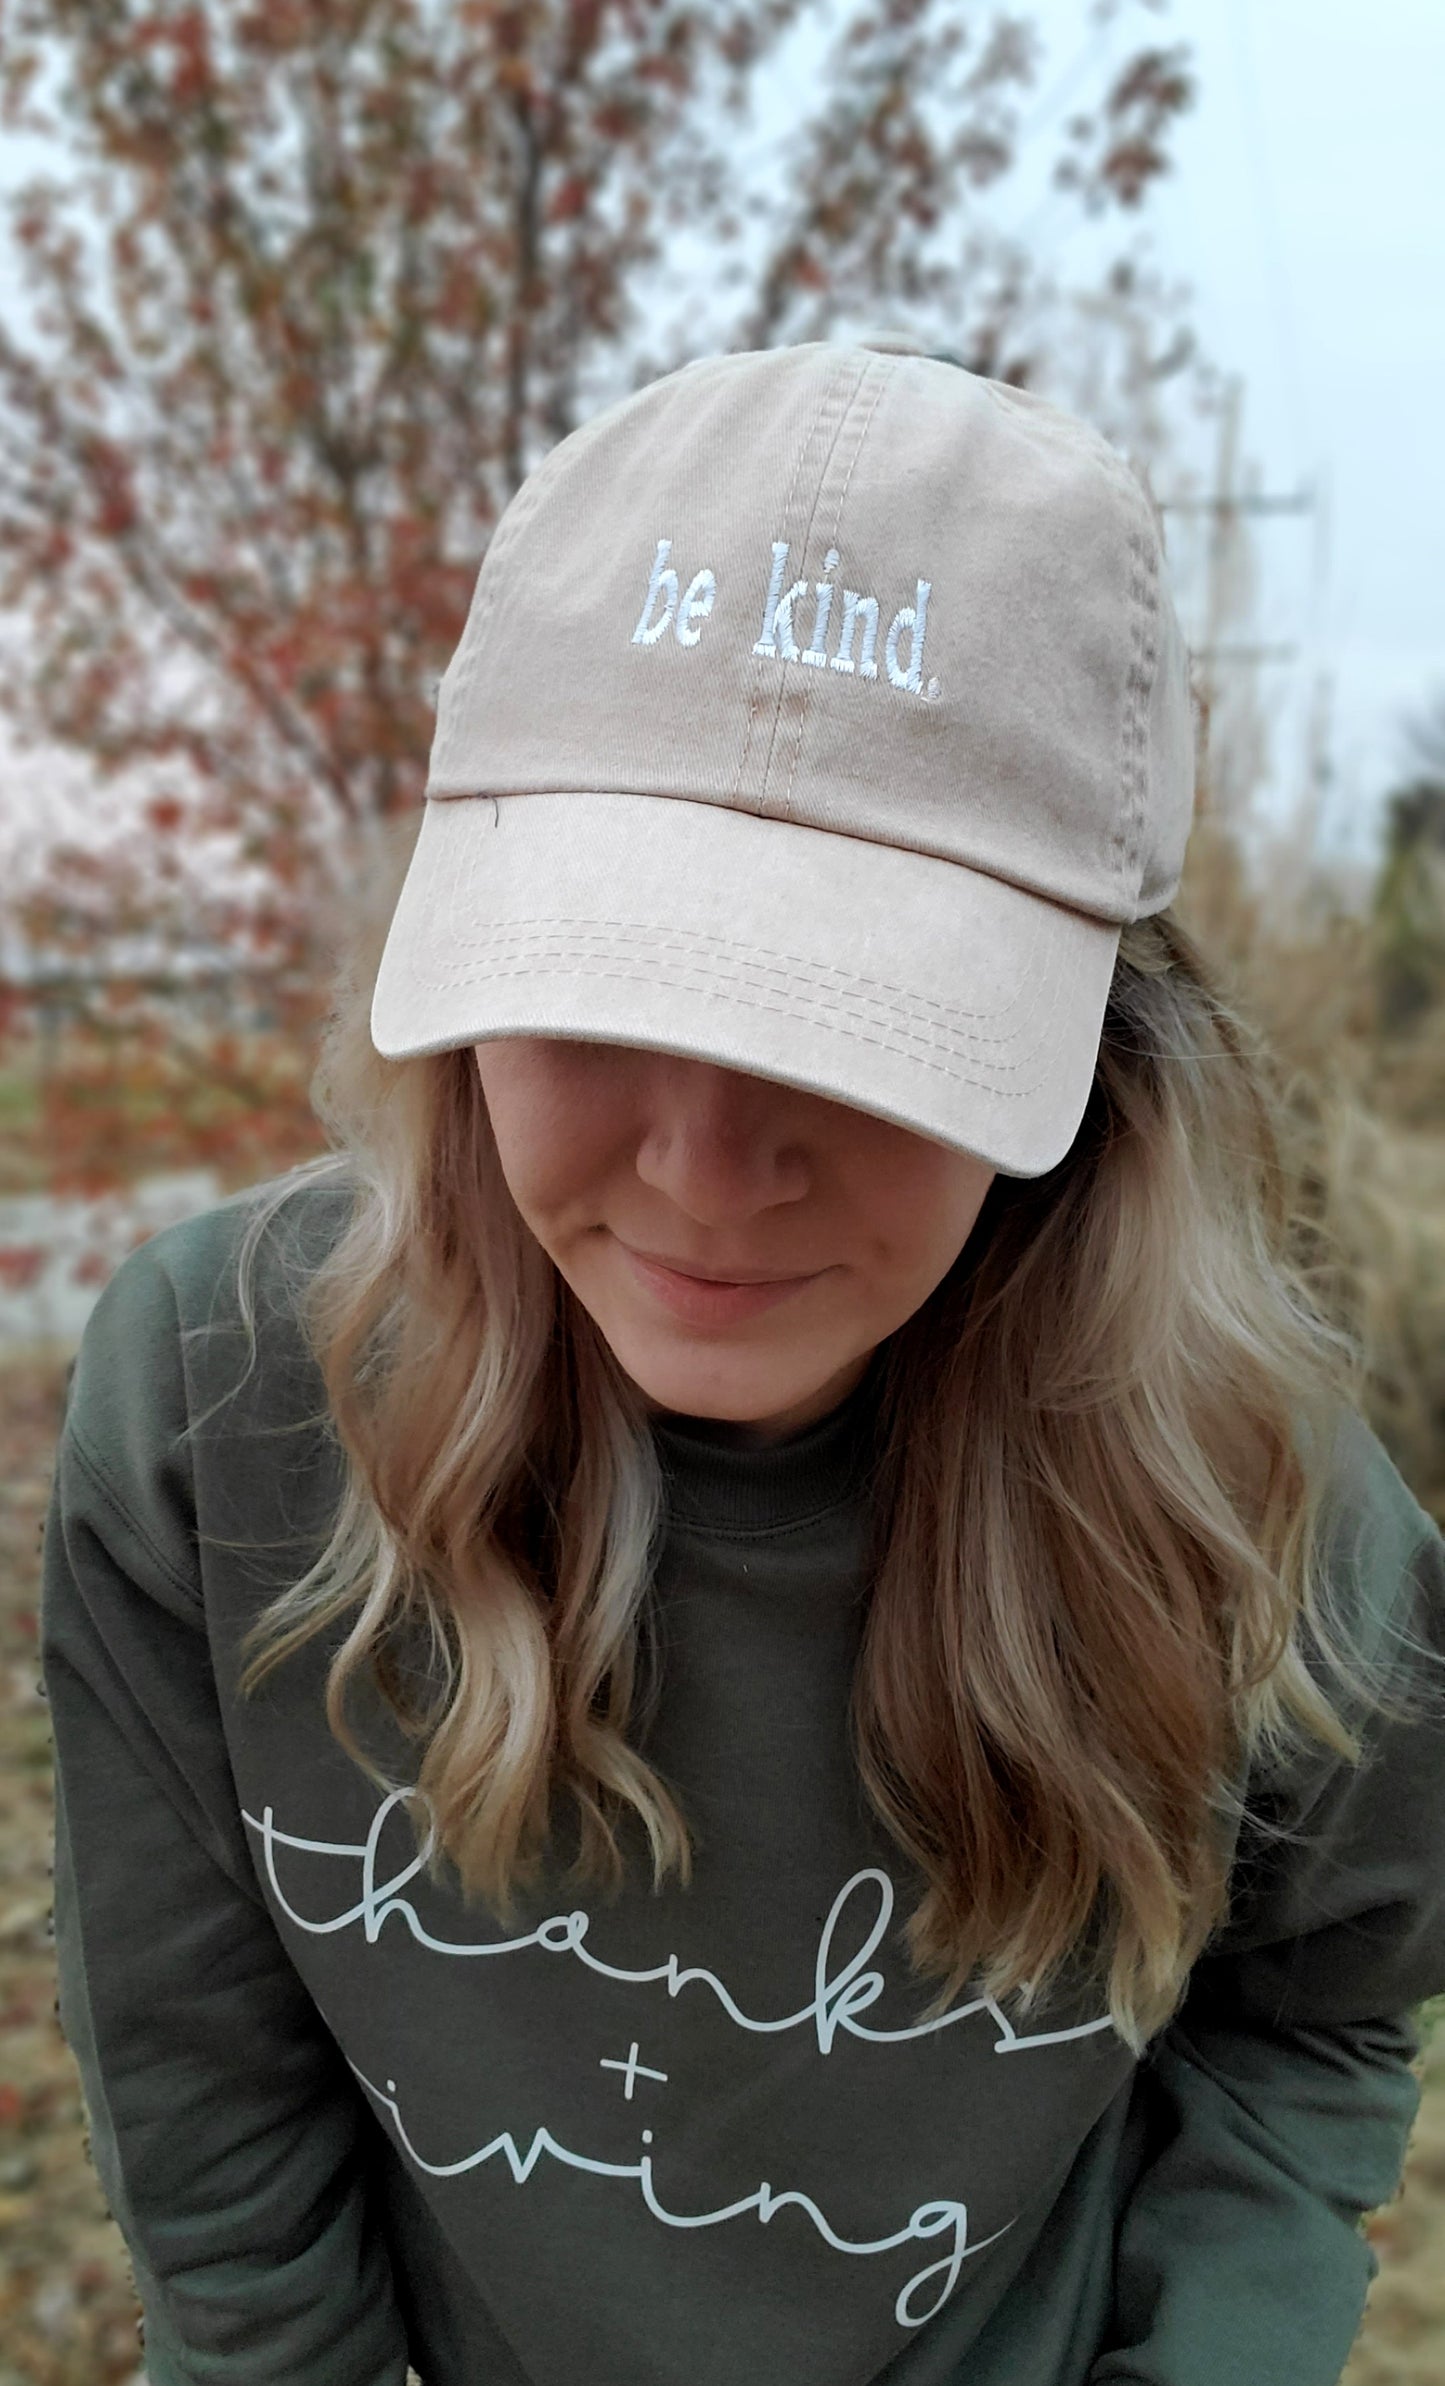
(1308, 211)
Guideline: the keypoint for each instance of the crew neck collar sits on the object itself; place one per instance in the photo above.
(722, 1486)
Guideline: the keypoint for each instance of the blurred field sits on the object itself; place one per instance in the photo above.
(67, 2315)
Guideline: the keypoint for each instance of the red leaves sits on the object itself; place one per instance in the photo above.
(112, 489)
(1140, 106)
(188, 38)
(1155, 82)
(283, 405)
(1129, 166)
(569, 199)
(21, 1265)
(617, 119)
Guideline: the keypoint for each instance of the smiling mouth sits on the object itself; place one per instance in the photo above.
(705, 1302)
(657, 1259)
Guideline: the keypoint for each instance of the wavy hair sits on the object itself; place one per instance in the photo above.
(1097, 1591)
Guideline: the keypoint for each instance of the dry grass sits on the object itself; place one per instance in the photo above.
(1403, 2340)
(67, 2313)
(1367, 1120)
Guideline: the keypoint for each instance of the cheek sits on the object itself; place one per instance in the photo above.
(544, 1126)
(923, 1202)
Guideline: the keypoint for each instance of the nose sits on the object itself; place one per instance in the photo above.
(720, 1144)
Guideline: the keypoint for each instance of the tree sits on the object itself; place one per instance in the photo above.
(313, 283)
(323, 278)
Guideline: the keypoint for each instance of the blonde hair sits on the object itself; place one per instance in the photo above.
(1097, 1589)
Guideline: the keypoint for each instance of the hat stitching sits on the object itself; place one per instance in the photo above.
(784, 693)
(592, 966)
(795, 965)
(472, 857)
(727, 959)
(729, 956)
(1143, 549)
(735, 792)
(855, 603)
(833, 398)
(799, 966)
(816, 651)
(1143, 591)
(850, 612)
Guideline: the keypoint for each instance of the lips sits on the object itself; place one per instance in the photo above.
(704, 1303)
(677, 1267)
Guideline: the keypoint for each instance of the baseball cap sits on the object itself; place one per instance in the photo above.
(820, 711)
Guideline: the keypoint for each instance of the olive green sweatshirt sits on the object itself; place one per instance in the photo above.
(348, 2120)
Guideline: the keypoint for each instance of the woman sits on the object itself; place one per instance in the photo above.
(786, 1527)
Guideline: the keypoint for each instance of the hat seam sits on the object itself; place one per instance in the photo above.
(735, 795)
(884, 381)
(1134, 737)
(832, 395)
(1134, 755)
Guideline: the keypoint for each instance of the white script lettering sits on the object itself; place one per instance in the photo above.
(937, 2218)
(840, 1995)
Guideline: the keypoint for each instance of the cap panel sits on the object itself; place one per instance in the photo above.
(1008, 754)
(867, 591)
(576, 670)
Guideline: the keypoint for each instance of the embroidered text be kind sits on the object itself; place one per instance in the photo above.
(683, 610)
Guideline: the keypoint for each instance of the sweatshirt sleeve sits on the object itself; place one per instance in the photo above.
(225, 2128)
(1280, 2098)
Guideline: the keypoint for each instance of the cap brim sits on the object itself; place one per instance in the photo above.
(952, 1002)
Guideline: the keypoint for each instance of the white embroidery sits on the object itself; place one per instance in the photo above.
(777, 639)
(813, 651)
(853, 605)
(696, 604)
(663, 582)
(839, 1997)
(776, 635)
(935, 2219)
(911, 618)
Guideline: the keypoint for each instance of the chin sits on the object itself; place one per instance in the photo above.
(734, 1387)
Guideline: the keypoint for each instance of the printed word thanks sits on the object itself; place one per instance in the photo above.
(845, 1985)
(669, 606)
